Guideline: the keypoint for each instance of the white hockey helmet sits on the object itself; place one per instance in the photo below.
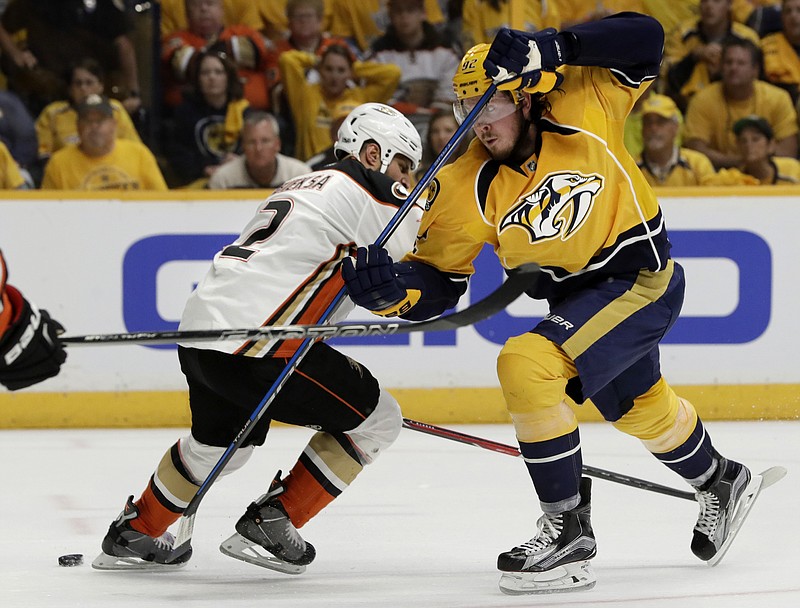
(384, 125)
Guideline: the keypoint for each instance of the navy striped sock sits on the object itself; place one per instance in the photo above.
(694, 460)
(555, 468)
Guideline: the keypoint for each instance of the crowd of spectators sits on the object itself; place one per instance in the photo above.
(247, 93)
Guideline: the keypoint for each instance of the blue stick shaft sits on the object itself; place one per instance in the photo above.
(304, 347)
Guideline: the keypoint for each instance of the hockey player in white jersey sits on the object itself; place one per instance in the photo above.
(283, 269)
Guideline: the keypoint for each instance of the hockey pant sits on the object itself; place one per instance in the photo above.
(328, 391)
(601, 344)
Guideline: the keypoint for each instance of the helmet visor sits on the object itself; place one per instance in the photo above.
(499, 106)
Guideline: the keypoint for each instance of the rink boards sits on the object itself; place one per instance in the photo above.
(102, 265)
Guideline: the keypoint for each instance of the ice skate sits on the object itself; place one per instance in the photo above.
(266, 537)
(127, 549)
(725, 501)
(557, 558)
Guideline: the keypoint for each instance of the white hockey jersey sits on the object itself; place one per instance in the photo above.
(284, 267)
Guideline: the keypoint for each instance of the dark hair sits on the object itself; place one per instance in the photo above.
(235, 87)
(759, 123)
(293, 5)
(336, 47)
(744, 43)
(428, 154)
(89, 64)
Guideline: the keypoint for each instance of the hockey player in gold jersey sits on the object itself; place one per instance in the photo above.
(548, 180)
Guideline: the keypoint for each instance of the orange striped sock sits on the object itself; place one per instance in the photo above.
(304, 496)
(154, 518)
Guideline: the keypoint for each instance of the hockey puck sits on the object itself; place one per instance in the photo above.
(73, 559)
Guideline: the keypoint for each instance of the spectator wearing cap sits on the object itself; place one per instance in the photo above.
(318, 86)
(713, 111)
(100, 161)
(261, 165)
(57, 124)
(756, 142)
(663, 161)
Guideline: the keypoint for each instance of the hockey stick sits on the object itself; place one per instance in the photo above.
(184, 537)
(518, 281)
(494, 446)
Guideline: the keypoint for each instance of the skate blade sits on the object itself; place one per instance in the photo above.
(577, 576)
(758, 482)
(238, 547)
(112, 562)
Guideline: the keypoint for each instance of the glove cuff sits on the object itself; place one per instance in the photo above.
(401, 307)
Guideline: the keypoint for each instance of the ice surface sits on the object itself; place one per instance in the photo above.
(420, 528)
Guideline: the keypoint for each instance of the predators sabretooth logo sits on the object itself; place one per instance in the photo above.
(557, 207)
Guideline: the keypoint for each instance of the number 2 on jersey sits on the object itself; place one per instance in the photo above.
(279, 210)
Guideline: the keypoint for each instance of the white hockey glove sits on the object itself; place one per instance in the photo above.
(514, 53)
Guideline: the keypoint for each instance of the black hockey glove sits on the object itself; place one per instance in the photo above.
(29, 350)
(372, 283)
(515, 53)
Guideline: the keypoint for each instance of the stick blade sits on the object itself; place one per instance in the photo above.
(183, 541)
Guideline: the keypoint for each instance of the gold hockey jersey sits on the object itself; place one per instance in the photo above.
(579, 206)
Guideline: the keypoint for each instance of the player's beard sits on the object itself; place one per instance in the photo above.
(525, 144)
(522, 146)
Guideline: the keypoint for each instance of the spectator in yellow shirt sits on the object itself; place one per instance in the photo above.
(235, 12)
(363, 21)
(57, 124)
(781, 58)
(580, 11)
(693, 53)
(276, 16)
(10, 177)
(756, 143)
(714, 110)
(315, 98)
(663, 161)
(99, 161)
(483, 18)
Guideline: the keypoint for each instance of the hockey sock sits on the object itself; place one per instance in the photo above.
(324, 470)
(170, 489)
(304, 496)
(154, 518)
(555, 468)
(695, 459)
